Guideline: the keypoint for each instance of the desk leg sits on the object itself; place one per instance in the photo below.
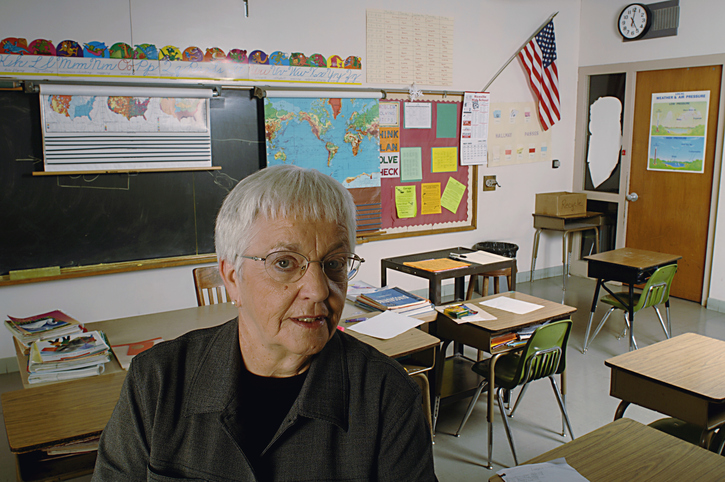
(489, 408)
(460, 292)
(383, 277)
(591, 314)
(436, 383)
(535, 252)
(564, 261)
(512, 284)
(620, 409)
(632, 346)
(434, 291)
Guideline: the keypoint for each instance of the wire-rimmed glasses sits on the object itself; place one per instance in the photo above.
(288, 266)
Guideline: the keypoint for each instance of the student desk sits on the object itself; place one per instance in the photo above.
(566, 225)
(680, 377)
(78, 409)
(626, 265)
(478, 334)
(435, 278)
(626, 450)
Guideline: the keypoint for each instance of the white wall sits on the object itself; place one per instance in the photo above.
(487, 32)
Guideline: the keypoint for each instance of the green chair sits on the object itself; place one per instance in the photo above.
(655, 292)
(692, 433)
(543, 356)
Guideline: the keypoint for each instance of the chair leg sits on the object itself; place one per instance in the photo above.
(472, 404)
(587, 341)
(627, 327)
(562, 406)
(518, 399)
(506, 425)
(659, 317)
(669, 321)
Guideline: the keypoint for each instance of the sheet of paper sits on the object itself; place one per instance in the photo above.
(474, 128)
(430, 198)
(411, 164)
(512, 306)
(405, 203)
(446, 120)
(418, 115)
(480, 257)
(386, 325)
(444, 159)
(553, 471)
(452, 195)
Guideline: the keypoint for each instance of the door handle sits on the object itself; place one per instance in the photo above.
(632, 197)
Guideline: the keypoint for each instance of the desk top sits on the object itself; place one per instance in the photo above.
(478, 334)
(633, 258)
(626, 450)
(397, 263)
(690, 362)
(506, 321)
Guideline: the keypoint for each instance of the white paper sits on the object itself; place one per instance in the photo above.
(511, 305)
(418, 115)
(480, 257)
(474, 128)
(553, 471)
(386, 325)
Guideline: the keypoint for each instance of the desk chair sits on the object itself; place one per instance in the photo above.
(692, 433)
(543, 356)
(655, 292)
(207, 280)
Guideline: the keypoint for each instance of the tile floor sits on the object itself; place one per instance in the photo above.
(537, 420)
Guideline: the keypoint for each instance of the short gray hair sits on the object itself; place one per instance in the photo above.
(278, 192)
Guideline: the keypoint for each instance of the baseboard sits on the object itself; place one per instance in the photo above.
(8, 365)
(716, 305)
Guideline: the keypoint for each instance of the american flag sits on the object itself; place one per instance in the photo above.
(539, 60)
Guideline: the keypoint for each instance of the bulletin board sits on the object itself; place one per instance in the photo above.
(436, 147)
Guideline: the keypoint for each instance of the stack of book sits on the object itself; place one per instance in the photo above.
(395, 299)
(42, 327)
(68, 357)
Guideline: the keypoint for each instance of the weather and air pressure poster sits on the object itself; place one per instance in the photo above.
(678, 131)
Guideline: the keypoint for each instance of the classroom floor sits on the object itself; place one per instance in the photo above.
(537, 419)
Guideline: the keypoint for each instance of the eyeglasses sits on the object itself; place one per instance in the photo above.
(288, 266)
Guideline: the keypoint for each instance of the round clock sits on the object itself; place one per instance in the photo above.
(634, 21)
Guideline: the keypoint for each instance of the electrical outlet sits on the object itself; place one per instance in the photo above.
(555, 164)
(489, 183)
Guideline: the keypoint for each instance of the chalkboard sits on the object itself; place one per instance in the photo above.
(70, 221)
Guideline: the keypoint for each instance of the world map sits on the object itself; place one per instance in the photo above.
(338, 137)
(80, 113)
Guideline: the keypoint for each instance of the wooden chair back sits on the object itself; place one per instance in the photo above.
(209, 286)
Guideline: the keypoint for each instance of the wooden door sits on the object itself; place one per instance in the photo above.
(672, 212)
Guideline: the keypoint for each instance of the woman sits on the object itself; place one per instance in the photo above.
(278, 393)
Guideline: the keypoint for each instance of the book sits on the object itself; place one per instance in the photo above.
(125, 352)
(391, 299)
(43, 326)
(69, 347)
(57, 376)
(357, 288)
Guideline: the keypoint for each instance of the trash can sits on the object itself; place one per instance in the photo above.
(498, 247)
(502, 249)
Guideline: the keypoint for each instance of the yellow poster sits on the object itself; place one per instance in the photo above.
(452, 195)
(444, 159)
(430, 198)
(405, 202)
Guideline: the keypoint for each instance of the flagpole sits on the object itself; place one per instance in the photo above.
(541, 27)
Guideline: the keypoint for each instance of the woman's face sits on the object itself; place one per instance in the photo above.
(289, 319)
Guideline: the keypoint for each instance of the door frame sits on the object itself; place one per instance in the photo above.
(578, 267)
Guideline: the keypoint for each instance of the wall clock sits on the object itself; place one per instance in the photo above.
(634, 21)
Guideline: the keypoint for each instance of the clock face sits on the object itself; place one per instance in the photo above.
(634, 21)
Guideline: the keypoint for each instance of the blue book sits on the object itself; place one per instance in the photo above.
(392, 299)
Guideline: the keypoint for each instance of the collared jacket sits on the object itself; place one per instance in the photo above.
(358, 417)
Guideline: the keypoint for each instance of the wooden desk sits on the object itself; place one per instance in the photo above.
(680, 377)
(435, 278)
(567, 225)
(478, 334)
(626, 450)
(627, 265)
(78, 409)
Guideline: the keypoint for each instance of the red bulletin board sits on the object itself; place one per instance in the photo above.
(427, 139)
